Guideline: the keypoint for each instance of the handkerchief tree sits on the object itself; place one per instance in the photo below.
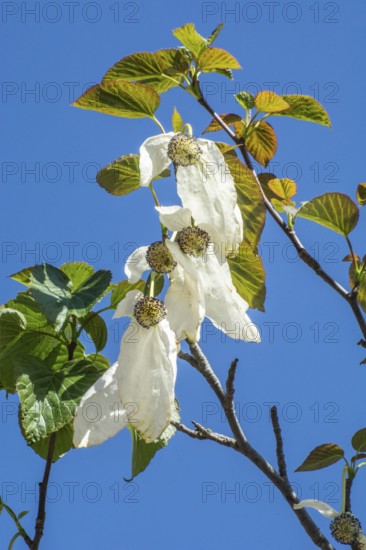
(206, 265)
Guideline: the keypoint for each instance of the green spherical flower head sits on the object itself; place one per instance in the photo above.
(184, 150)
(159, 258)
(345, 528)
(193, 241)
(149, 311)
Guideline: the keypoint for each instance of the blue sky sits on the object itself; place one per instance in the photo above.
(194, 494)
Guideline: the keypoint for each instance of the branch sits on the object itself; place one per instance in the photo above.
(279, 443)
(41, 517)
(290, 233)
(200, 362)
(205, 434)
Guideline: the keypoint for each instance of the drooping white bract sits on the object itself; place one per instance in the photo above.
(100, 414)
(146, 373)
(319, 505)
(206, 187)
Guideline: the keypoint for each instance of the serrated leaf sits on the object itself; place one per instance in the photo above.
(143, 453)
(359, 441)
(158, 284)
(285, 188)
(361, 194)
(335, 211)
(245, 99)
(265, 178)
(177, 121)
(304, 107)
(190, 38)
(27, 306)
(94, 325)
(248, 276)
(215, 59)
(49, 398)
(215, 33)
(321, 457)
(77, 272)
(269, 102)
(262, 143)
(120, 290)
(230, 119)
(12, 323)
(250, 201)
(228, 151)
(150, 68)
(120, 98)
(22, 276)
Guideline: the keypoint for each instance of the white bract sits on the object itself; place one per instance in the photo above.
(139, 390)
(204, 184)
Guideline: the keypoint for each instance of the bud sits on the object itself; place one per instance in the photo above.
(159, 258)
(149, 311)
(184, 150)
(345, 528)
(193, 241)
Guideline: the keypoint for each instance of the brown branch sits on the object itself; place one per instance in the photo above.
(282, 467)
(205, 434)
(200, 362)
(304, 255)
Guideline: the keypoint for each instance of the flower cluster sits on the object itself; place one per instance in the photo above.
(198, 238)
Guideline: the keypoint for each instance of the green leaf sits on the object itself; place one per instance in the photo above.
(304, 107)
(269, 102)
(190, 38)
(13, 540)
(361, 194)
(158, 284)
(63, 443)
(12, 323)
(245, 99)
(321, 457)
(48, 398)
(51, 289)
(120, 290)
(214, 59)
(26, 305)
(177, 121)
(120, 98)
(250, 201)
(248, 276)
(230, 119)
(262, 143)
(94, 325)
(228, 151)
(121, 176)
(143, 453)
(150, 68)
(284, 188)
(22, 276)
(77, 272)
(215, 33)
(335, 211)
(359, 441)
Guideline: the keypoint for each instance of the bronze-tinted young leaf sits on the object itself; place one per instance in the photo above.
(120, 290)
(230, 119)
(359, 441)
(121, 176)
(248, 276)
(265, 178)
(120, 98)
(350, 258)
(270, 102)
(190, 38)
(284, 188)
(213, 59)
(215, 33)
(177, 121)
(305, 107)
(245, 99)
(321, 457)
(262, 143)
(361, 194)
(150, 68)
(250, 201)
(361, 295)
(229, 151)
(335, 211)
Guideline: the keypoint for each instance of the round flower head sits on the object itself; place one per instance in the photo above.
(193, 241)
(149, 311)
(345, 528)
(159, 258)
(184, 150)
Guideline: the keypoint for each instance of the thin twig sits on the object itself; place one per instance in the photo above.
(282, 468)
(205, 434)
(230, 390)
(201, 363)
